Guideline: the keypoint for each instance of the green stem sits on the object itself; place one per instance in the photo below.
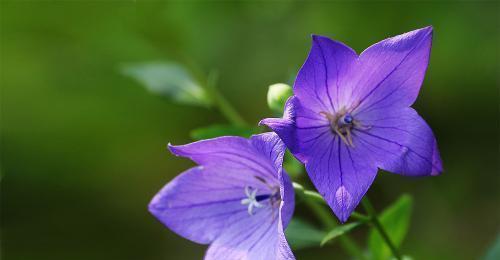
(314, 200)
(376, 222)
(221, 103)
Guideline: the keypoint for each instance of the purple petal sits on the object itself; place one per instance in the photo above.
(285, 127)
(203, 204)
(284, 251)
(341, 174)
(270, 146)
(257, 238)
(324, 76)
(401, 142)
(300, 128)
(199, 203)
(390, 73)
(287, 199)
(263, 237)
(229, 153)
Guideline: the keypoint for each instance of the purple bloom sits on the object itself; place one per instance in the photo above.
(351, 115)
(238, 199)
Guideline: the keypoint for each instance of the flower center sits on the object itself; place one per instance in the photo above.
(258, 201)
(341, 123)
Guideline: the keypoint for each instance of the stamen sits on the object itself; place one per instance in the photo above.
(341, 124)
(251, 199)
(349, 137)
(255, 201)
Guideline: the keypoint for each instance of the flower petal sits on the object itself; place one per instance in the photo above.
(285, 127)
(324, 74)
(287, 204)
(257, 238)
(204, 204)
(270, 145)
(401, 142)
(229, 153)
(300, 128)
(390, 73)
(201, 202)
(342, 175)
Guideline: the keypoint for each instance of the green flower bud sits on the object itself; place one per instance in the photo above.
(277, 95)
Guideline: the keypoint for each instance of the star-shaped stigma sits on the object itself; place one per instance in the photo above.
(251, 199)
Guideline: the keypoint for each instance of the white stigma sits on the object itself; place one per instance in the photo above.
(251, 199)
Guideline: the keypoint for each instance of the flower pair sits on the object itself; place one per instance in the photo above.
(350, 115)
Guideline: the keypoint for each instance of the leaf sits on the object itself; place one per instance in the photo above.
(300, 234)
(396, 220)
(340, 230)
(168, 79)
(221, 130)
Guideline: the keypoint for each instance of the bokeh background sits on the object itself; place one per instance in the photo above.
(83, 147)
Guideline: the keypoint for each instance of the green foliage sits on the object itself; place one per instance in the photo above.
(292, 166)
(301, 234)
(396, 220)
(277, 95)
(168, 79)
(221, 130)
(340, 230)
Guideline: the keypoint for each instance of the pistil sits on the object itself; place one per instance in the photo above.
(256, 201)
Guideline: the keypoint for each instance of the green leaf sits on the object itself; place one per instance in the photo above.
(340, 230)
(168, 79)
(221, 130)
(300, 234)
(396, 220)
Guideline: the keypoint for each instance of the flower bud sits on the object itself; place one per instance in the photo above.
(277, 95)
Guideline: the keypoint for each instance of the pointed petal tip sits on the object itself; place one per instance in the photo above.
(429, 30)
(177, 150)
(316, 37)
(436, 173)
(327, 42)
(437, 163)
(437, 169)
(425, 31)
(262, 122)
(173, 149)
(342, 216)
(269, 122)
(153, 206)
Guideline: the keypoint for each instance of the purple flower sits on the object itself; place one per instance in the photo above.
(351, 115)
(238, 199)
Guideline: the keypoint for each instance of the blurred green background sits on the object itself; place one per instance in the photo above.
(83, 148)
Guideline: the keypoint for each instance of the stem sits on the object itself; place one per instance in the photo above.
(376, 222)
(312, 199)
(221, 103)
